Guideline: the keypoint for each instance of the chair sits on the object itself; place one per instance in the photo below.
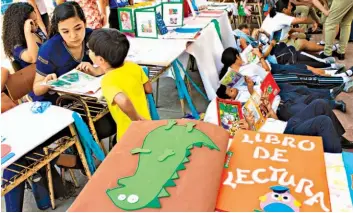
(20, 83)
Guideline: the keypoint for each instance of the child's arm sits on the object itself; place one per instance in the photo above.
(148, 87)
(4, 77)
(321, 7)
(243, 43)
(125, 104)
(264, 65)
(39, 18)
(269, 49)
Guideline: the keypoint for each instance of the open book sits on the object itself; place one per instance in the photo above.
(253, 105)
(270, 86)
(232, 78)
(183, 165)
(76, 82)
(248, 56)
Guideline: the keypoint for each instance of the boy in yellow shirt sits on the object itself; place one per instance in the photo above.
(125, 84)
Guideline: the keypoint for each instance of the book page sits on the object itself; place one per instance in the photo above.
(76, 81)
(248, 57)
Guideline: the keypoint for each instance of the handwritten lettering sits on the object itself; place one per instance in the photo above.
(317, 198)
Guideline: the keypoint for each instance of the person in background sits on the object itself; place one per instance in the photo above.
(67, 36)
(41, 12)
(114, 5)
(341, 13)
(279, 25)
(21, 35)
(94, 18)
(125, 84)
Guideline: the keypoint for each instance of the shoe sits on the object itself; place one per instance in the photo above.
(346, 144)
(323, 56)
(336, 91)
(330, 60)
(340, 68)
(340, 56)
(340, 105)
(348, 86)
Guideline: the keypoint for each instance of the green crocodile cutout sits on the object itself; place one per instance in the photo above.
(148, 184)
(166, 154)
(139, 150)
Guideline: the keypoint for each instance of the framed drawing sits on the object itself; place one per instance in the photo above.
(126, 20)
(173, 14)
(146, 23)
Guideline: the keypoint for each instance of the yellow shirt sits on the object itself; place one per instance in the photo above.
(128, 79)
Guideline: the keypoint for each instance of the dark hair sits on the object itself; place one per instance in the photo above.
(63, 12)
(243, 26)
(110, 44)
(279, 6)
(12, 30)
(229, 56)
(221, 92)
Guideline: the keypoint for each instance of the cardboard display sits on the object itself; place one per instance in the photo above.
(256, 183)
(190, 194)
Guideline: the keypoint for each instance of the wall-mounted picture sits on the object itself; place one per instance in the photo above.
(173, 14)
(126, 20)
(146, 24)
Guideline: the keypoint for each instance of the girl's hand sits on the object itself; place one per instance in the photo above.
(250, 119)
(50, 77)
(249, 81)
(257, 52)
(85, 67)
(243, 124)
(29, 25)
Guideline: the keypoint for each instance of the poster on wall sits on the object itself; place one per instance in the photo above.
(173, 14)
(146, 24)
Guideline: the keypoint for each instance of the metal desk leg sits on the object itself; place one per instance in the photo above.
(157, 92)
(50, 181)
(80, 151)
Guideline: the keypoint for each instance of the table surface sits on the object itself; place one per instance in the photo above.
(24, 130)
(162, 52)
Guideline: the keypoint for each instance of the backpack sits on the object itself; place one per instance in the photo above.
(284, 54)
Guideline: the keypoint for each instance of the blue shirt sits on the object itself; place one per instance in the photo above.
(18, 50)
(54, 57)
(113, 4)
(4, 5)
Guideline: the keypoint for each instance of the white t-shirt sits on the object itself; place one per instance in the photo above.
(280, 21)
(271, 125)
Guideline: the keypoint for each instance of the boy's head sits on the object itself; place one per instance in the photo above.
(225, 92)
(245, 28)
(108, 48)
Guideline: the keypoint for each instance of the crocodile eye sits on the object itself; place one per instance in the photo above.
(121, 197)
(133, 199)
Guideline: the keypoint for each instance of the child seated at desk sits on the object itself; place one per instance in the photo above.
(125, 84)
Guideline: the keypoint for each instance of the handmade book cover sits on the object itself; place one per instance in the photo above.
(229, 115)
(173, 14)
(232, 78)
(146, 22)
(281, 173)
(270, 86)
(159, 166)
(76, 81)
(253, 105)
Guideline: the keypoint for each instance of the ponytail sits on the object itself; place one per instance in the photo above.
(229, 56)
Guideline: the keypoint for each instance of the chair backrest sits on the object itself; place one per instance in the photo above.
(21, 82)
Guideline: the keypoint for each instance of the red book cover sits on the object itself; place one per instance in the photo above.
(229, 114)
(269, 84)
